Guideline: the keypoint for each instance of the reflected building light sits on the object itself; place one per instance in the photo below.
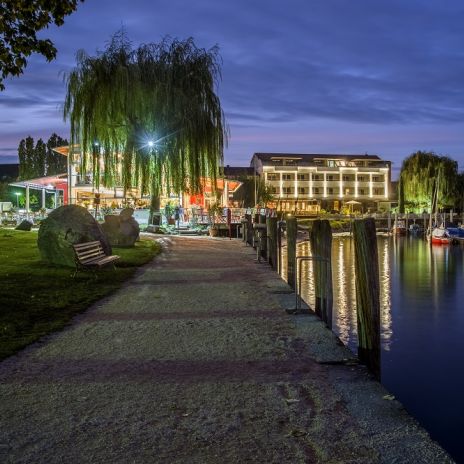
(340, 296)
(385, 298)
(371, 187)
(325, 185)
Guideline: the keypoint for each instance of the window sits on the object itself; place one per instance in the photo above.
(361, 178)
(347, 178)
(330, 191)
(302, 176)
(272, 176)
(316, 191)
(377, 179)
(331, 163)
(302, 190)
(288, 162)
(316, 177)
(378, 191)
(362, 191)
(288, 177)
(288, 190)
(275, 190)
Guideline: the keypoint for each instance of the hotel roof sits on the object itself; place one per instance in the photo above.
(312, 156)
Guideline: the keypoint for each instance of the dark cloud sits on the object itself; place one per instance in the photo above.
(339, 66)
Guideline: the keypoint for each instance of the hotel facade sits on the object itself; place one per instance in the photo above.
(307, 183)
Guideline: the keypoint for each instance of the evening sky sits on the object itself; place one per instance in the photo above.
(312, 76)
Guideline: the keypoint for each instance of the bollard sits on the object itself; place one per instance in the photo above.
(271, 224)
(248, 230)
(263, 229)
(321, 245)
(292, 228)
(243, 223)
(367, 294)
(279, 246)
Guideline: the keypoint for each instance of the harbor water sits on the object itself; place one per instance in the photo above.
(422, 326)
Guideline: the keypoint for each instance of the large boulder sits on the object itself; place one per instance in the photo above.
(64, 227)
(24, 225)
(122, 230)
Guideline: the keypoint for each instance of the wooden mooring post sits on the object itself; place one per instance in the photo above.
(248, 230)
(263, 235)
(321, 245)
(271, 225)
(292, 228)
(367, 294)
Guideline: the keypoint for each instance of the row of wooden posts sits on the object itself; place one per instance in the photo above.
(265, 235)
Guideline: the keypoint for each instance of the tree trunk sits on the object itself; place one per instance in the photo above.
(155, 206)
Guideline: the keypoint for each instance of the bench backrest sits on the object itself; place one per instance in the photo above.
(89, 251)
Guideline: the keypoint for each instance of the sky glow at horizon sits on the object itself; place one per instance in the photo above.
(300, 76)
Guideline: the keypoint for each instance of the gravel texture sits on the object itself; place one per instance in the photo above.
(196, 361)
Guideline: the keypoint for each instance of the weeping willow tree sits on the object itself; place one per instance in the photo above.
(426, 176)
(148, 117)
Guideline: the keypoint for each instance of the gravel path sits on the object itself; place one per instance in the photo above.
(195, 361)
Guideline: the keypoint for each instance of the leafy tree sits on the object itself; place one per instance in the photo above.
(56, 163)
(246, 193)
(422, 173)
(22, 160)
(20, 21)
(30, 157)
(264, 193)
(459, 203)
(40, 155)
(152, 110)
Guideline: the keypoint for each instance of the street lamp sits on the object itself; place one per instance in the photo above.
(17, 198)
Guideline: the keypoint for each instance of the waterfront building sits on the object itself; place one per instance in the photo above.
(306, 183)
(82, 190)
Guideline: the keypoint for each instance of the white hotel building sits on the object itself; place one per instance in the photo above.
(305, 183)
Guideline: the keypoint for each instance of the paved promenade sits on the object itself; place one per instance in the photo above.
(196, 361)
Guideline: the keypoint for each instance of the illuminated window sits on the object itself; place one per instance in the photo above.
(273, 176)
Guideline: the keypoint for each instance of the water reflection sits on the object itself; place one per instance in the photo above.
(422, 322)
(343, 275)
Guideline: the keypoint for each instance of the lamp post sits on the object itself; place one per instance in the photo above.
(18, 194)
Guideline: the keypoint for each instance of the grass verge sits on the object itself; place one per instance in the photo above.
(36, 298)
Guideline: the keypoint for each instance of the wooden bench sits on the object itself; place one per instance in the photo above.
(91, 256)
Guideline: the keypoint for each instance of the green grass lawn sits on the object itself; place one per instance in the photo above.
(36, 298)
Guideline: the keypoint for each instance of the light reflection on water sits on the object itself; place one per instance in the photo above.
(344, 288)
(422, 325)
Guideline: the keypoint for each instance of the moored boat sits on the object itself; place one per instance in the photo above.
(415, 230)
(399, 228)
(440, 236)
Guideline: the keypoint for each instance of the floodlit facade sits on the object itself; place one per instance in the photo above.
(306, 183)
(81, 190)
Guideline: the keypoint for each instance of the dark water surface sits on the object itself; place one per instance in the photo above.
(422, 317)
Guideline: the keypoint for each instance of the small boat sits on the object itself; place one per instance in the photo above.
(399, 228)
(440, 236)
(455, 232)
(415, 230)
